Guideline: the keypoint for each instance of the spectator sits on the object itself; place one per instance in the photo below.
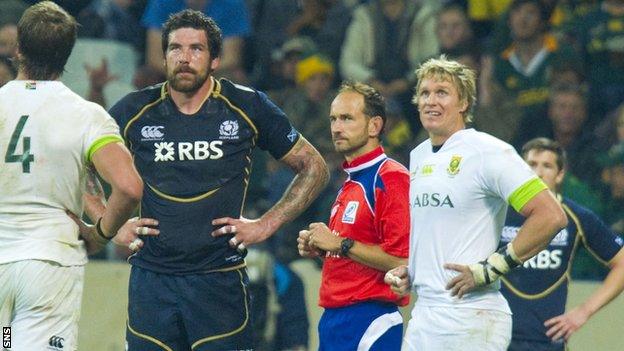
(111, 19)
(7, 70)
(613, 178)
(385, 43)
(523, 68)
(454, 33)
(231, 16)
(611, 131)
(485, 13)
(568, 114)
(310, 19)
(269, 20)
(331, 35)
(281, 74)
(8, 39)
(601, 39)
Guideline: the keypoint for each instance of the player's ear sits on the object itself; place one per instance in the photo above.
(560, 176)
(214, 64)
(375, 124)
(464, 107)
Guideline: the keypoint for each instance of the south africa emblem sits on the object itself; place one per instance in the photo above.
(453, 167)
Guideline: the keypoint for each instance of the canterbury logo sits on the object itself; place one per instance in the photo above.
(56, 342)
(152, 132)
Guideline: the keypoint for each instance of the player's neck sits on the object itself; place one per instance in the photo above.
(371, 145)
(21, 75)
(190, 103)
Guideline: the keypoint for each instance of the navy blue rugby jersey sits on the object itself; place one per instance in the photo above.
(196, 168)
(538, 289)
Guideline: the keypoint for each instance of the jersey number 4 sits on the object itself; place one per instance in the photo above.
(26, 157)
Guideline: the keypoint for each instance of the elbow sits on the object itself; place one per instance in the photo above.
(324, 174)
(318, 170)
(131, 190)
(560, 220)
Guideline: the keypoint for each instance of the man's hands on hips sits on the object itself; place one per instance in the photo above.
(462, 283)
(246, 231)
(129, 233)
(398, 279)
(565, 325)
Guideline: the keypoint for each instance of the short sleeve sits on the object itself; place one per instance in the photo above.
(599, 239)
(392, 213)
(102, 130)
(275, 133)
(120, 112)
(506, 175)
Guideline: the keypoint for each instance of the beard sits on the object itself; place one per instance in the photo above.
(185, 85)
(347, 147)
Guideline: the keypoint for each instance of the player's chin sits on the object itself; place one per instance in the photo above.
(341, 145)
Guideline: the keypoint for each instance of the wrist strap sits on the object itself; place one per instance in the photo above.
(98, 229)
(498, 264)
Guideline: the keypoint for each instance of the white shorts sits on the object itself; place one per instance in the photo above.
(40, 301)
(449, 329)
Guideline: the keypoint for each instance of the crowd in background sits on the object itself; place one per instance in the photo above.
(551, 68)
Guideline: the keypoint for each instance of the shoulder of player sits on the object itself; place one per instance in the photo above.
(482, 146)
(236, 93)
(424, 146)
(133, 102)
(393, 174)
(484, 142)
(392, 168)
(581, 212)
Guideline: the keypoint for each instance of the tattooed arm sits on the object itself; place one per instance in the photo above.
(93, 196)
(311, 177)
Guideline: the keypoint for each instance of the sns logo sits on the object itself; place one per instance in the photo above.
(545, 260)
(198, 150)
(228, 130)
(152, 133)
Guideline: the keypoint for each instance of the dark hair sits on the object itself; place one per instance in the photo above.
(374, 102)
(196, 20)
(545, 13)
(545, 144)
(560, 89)
(46, 35)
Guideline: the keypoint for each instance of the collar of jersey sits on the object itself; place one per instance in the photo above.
(365, 160)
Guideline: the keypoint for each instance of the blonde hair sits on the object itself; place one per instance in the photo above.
(462, 77)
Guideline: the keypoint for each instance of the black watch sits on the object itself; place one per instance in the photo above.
(346, 245)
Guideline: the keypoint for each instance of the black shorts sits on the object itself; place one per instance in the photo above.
(526, 345)
(200, 312)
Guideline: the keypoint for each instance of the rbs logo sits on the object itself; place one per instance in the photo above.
(545, 260)
(198, 150)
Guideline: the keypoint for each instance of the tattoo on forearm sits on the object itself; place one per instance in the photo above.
(92, 184)
(312, 176)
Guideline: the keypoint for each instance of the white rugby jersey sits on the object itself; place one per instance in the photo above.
(458, 202)
(47, 137)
